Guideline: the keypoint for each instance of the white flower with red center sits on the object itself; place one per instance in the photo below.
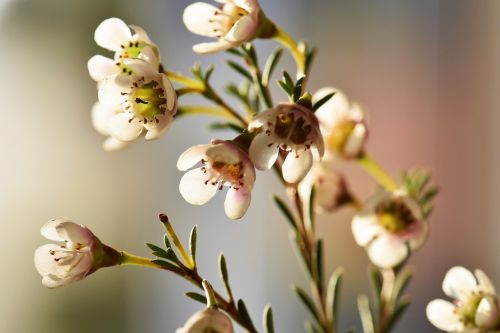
(343, 124)
(146, 99)
(390, 226)
(113, 34)
(76, 254)
(234, 23)
(222, 164)
(289, 128)
(475, 307)
(101, 114)
(208, 320)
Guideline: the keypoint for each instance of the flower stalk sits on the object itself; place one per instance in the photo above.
(377, 172)
(288, 42)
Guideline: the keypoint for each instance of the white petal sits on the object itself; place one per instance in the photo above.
(112, 144)
(487, 313)
(417, 234)
(101, 114)
(296, 165)
(441, 314)
(147, 54)
(330, 112)
(142, 68)
(156, 130)
(243, 30)
(123, 129)
(140, 33)
(191, 156)
(365, 228)
(484, 282)
(387, 251)
(208, 48)
(354, 144)
(224, 151)
(44, 261)
(74, 232)
(111, 89)
(101, 67)
(237, 202)
(248, 5)
(193, 188)
(170, 95)
(459, 283)
(49, 229)
(262, 155)
(111, 33)
(197, 17)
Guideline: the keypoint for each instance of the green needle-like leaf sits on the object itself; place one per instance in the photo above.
(333, 295)
(365, 314)
(398, 312)
(168, 265)
(322, 101)
(245, 316)
(307, 301)
(268, 319)
(238, 68)
(197, 297)
(286, 211)
(271, 63)
(192, 243)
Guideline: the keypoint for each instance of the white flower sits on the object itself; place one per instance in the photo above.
(343, 124)
(146, 100)
(113, 34)
(390, 226)
(77, 253)
(234, 23)
(223, 163)
(288, 127)
(101, 114)
(208, 320)
(475, 304)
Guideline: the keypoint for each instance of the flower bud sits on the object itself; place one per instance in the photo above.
(208, 320)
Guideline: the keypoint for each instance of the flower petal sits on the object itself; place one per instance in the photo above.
(140, 34)
(442, 315)
(355, 142)
(191, 156)
(487, 313)
(484, 282)
(112, 144)
(111, 89)
(147, 54)
(193, 188)
(112, 33)
(156, 130)
(243, 30)
(248, 5)
(237, 202)
(296, 165)
(123, 128)
(170, 94)
(101, 114)
(387, 251)
(101, 67)
(209, 48)
(262, 153)
(44, 261)
(197, 18)
(458, 283)
(328, 114)
(142, 68)
(365, 228)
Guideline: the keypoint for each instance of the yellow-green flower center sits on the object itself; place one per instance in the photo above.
(394, 215)
(149, 100)
(468, 310)
(129, 51)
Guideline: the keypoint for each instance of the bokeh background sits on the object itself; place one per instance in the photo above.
(427, 71)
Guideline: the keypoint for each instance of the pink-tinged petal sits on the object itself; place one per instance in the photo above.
(209, 48)
(237, 202)
(140, 33)
(417, 234)
(296, 165)
(170, 95)
(44, 261)
(193, 188)
(101, 67)
(484, 282)
(328, 114)
(459, 283)
(387, 251)
(156, 130)
(487, 313)
(442, 315)
(197, 19)
(262, 119)
(148, 54)
(248, 5)
(49, 229)
(263, 152)
(243, 30)
(224, 151)
(111, 89)
(365, 228)
(74, 232)
(112, 144)
(355, 142)
(101, 114)
(124, 127)
(191, 156)
(112, 33)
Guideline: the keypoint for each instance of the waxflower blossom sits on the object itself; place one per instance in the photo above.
(290, 128)
(76, 254)
(208, 320)
(101, 114)
(113, 34)
(147, 101)
(223, 164)
(343, 124)
(390, 226)
(234, 23)
(475, 307)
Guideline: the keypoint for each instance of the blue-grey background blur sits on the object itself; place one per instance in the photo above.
(428, 73)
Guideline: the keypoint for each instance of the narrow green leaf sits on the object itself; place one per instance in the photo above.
(250, 52)
(288, 80)
(224, 126)
(286, 211)
(402, 281)
(192, 243)
(296, 92)
(295, 241)
(166, 241)
(271, 63)
(235, 52)
(322, 101)
(245, 316)
(376, 279)
(312, 327)
(398, 312)
(197, 72)
(209, 72)
(268, 319)
(168, 265)
(238, 68)
(312, 196)
(157, 251)
(333, 295)
(365, 314)
(197, 297)
(318, 263)
(285, 88)
(307, 301)
(171, 255)
(224, 276)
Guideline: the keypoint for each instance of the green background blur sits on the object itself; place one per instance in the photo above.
(427, 72)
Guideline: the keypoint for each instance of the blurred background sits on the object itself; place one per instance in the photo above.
(427, 72)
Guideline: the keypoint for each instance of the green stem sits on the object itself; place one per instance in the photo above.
(288, 42)
(379, 174)
(133, 260)
(203, 110)
(188, 82)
